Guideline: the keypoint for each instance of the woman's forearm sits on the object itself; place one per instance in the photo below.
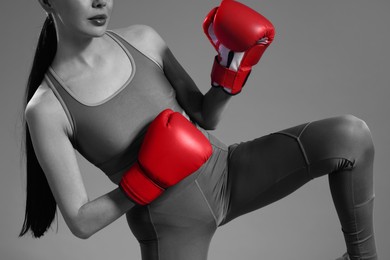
(100, 212)
(214, 103)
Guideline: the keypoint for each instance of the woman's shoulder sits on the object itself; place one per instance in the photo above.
(42, 100)
(137, 32)
(145, 38)
(44, 106)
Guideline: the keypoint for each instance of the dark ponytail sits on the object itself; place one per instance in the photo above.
(40, 203)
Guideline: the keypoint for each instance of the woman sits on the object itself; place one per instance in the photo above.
(98, 91)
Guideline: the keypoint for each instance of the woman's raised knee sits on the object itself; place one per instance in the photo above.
(358, 132)
(354, 134)
(344, 136)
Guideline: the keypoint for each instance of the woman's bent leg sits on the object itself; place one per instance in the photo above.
(268, 168)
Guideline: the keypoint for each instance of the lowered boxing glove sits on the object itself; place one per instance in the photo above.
(172, 149)
(240, 35)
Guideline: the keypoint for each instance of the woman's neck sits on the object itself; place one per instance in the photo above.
(79, 53)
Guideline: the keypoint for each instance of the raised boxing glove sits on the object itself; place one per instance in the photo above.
(240, 35)
(172, 149)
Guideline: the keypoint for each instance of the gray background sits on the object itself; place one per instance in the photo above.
(328, 58)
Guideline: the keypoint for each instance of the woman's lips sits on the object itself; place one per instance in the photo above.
(98, 20)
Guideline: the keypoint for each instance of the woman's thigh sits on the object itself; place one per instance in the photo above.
(266, 169)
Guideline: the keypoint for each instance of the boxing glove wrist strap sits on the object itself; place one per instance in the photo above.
(227, 78)
(138, 187)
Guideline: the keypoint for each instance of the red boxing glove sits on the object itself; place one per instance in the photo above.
(172, 149)
(240, 35)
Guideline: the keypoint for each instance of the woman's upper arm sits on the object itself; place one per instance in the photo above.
(57, 158)
(187, 93)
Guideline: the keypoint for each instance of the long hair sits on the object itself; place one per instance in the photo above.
(40, 203)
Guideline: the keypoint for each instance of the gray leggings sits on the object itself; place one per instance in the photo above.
(247, 176)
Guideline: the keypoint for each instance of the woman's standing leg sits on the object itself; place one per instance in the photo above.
(268, 168)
